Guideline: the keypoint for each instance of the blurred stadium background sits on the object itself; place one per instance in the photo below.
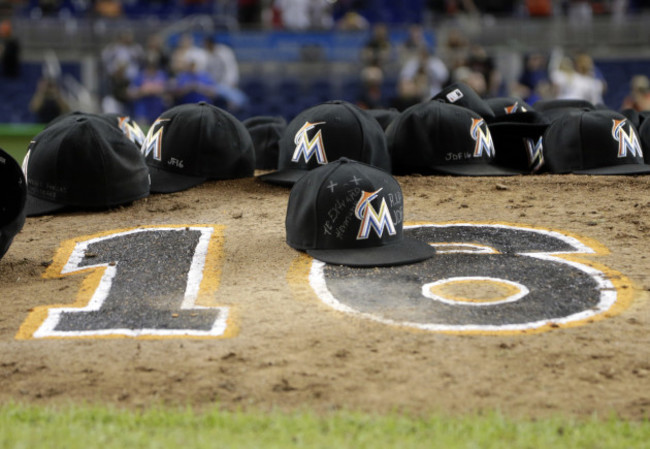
(283, 70)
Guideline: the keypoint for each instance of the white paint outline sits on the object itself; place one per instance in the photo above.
(427, 293)
(608, 293)
(194, 278)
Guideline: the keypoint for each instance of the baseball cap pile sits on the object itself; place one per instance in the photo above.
(324, 133)
(98, 161)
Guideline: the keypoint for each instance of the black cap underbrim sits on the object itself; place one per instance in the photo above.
(286, 177)
(624, 169)
(36, 206)
(405, 251)
(163, 181)
(477, 170)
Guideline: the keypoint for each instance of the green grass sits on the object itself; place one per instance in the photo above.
(14, 139)
(84, 427)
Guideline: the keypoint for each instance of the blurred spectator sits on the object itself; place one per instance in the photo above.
(378, 49)
(585, 65)
(123, 54)
(10, 50)
(155, 51)
(304, 14)
(109, 9)
(193, 85)
(533, 83)
(117, 99)
(407, 95)
(479, 61)
(426, 71)
(352, 21)
(188, 52)
(638, 98)
(539, 8)
(579, 12)
(414, 41)
(472, 78)
(371, 96)
(569, 83)
(149, 93)
(454, 49)
(221, 63)
(223, 67)
(48, 101)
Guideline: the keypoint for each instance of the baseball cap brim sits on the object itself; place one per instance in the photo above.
(36, 206)
(624, 169)
(476, 170)
(403, 252)
(163, 181)
(285, 177)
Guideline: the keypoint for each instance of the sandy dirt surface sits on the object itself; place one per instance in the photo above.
(286, 349)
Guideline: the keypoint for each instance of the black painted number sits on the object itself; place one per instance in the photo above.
(483, 279)
(146, 282)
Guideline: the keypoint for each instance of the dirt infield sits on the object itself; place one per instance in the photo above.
(285, 348)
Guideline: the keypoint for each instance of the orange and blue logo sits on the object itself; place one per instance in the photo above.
(627, 141)
(153, 141)
(131, 130)
(307, 147)
(372, 219)
(482, 137)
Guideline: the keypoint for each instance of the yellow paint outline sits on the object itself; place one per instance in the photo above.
(206, 296)
(626, 290)
(437, 290)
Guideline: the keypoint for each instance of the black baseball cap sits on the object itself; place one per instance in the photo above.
(191, 143)
(557, 108)
(384, 116)
(462, 94)
(123, 122)
(83, 162)
(435, 137)
(351, 213)
(266, 130)
(598, 142)
(324, 133)
(517, 131)
(12, 200)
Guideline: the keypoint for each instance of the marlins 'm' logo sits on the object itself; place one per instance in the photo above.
(483, 138)
(535, 152)
(370, 218)
(153, 141)
(309, 147)
(514, 108)
(131, 130)
(626, 141)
